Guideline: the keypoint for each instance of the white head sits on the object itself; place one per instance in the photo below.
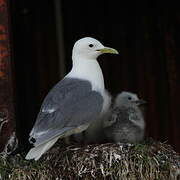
(85, 66)
(90, 48)
(128, 99)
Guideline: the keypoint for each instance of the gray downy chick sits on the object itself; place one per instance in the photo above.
(126, 123)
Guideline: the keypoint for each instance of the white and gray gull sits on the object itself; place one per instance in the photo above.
(75, 102)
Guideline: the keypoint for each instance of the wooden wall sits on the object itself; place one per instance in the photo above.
(7, 119)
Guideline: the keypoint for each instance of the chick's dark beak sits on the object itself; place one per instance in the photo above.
(140, 102)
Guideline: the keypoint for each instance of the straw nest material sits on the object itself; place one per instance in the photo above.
(150, 160)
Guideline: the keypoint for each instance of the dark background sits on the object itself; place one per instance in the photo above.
(147, 37)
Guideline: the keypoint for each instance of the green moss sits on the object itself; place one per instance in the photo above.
(149, 160)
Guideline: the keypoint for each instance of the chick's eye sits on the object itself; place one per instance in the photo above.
(129, 98)
(91, 45)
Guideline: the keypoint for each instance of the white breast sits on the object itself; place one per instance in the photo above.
(88, 70)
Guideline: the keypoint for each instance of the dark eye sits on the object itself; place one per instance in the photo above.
(129, 98)
(91, 45)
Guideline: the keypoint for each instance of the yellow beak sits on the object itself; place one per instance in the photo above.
(108, 50)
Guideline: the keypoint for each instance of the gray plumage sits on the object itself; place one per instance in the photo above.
(126, 122)
(67, 109)
(94, 133)
(70, 99)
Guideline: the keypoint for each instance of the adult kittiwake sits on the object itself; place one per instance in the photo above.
(73, 103)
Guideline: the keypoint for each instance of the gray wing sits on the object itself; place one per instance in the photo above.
(68, 106)
(125, 115)
(120, 115)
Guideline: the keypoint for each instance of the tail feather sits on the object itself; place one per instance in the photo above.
(37, 152)
(39, 149)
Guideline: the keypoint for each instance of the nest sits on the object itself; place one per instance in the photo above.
(149, 160)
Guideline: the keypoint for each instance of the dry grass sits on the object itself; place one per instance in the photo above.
(147, 161)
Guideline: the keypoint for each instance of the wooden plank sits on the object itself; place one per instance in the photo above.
(7, 118)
